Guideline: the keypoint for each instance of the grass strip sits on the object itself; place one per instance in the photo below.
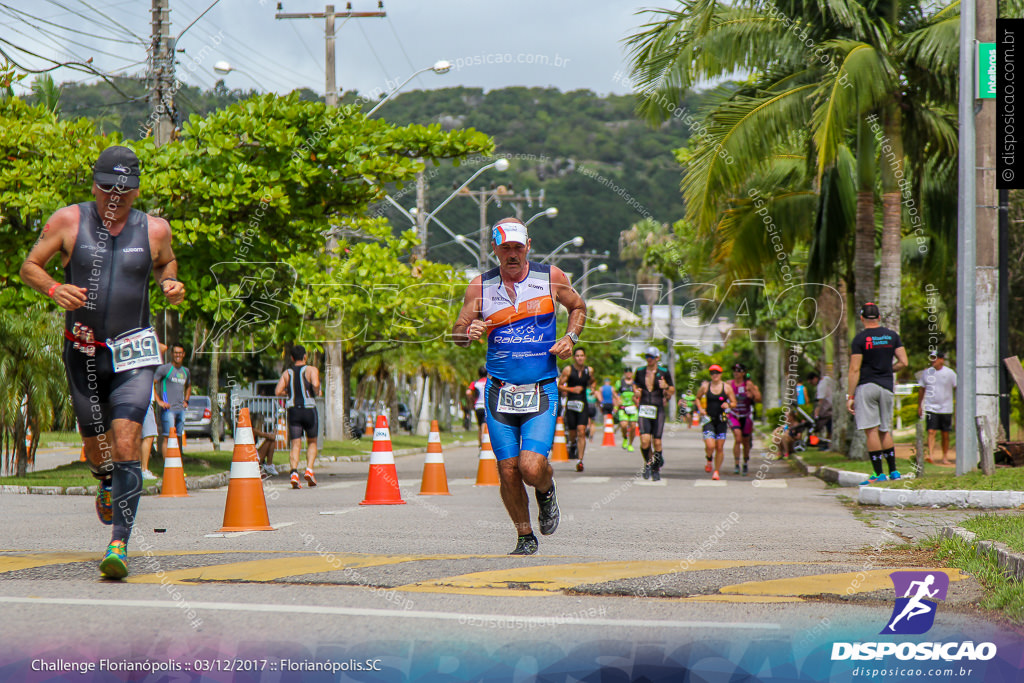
(1002, 593)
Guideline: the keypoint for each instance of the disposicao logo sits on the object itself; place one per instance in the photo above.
(914, 614)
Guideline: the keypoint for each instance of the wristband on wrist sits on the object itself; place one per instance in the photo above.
(172, 279)
(52, 290)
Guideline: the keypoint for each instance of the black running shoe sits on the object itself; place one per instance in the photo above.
(655, 474)
(526, 545)
(548, 516)
(658, 460)
(647, 471)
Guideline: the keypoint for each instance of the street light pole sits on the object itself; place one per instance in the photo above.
(575, 241)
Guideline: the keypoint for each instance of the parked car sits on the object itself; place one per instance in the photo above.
(198, 418)
(405, 419)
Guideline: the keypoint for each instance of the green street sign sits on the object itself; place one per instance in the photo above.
(985, 59)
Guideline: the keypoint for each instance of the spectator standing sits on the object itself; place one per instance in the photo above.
(935, 395)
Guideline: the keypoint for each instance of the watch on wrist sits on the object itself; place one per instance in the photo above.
(573, 337)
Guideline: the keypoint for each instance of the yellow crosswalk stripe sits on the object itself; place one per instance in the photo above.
(281, 567)
(551, 579)
(829, 584)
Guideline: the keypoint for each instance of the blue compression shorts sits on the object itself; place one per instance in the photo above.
(511, 434)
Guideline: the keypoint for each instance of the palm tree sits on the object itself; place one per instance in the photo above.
(46, 93)
(34, 392)
(634, 245)
(817, 69)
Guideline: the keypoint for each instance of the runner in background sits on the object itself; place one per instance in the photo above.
(741, 419)
(719, 399)
(625, 408)
(654, 383)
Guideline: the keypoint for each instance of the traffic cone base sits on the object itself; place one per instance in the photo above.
(487, 466)
(382, 483)
(246, 505)
(173, 485)
(435, 479)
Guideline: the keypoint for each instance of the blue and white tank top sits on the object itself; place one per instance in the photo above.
(521, 332)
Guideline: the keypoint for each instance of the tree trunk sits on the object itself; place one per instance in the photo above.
(893, 173)
(772, 396)
(423, 417)
(215, 407)
(841, 372)
(334, 398)
(864, 237)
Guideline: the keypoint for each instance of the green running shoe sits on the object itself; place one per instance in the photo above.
(115, 563)
(104, 508)
(630, 449)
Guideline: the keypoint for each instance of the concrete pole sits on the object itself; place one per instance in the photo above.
(987, 234)
(421, 214)
(966, 437)
(331, 94)
(485, 233)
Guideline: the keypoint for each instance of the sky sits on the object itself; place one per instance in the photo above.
(567, 44)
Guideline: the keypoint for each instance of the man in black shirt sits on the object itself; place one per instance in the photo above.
(871, 373)
(654, 382)
(574, 381)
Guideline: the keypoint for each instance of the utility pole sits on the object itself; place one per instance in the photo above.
(336, 391)
(161, 72)
(420, 251)
(987, 365)
(329, 15)
(483, 198)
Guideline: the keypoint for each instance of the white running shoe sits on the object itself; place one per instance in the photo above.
(146, 474)
(270, 469)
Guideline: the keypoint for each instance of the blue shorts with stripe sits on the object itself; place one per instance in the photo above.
(511, 434)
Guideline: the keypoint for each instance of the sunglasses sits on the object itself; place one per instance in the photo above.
(113, 189)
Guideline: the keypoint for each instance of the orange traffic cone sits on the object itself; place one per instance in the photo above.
(82, 458)
(369, 426)
(246, 506)
(435, 480)
(382, 483)
(281, 435)
(487, 468)
(173, 485)
(609, 431)
(696, 418)
(558, 450)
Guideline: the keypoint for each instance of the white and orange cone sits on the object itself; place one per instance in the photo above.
(487, 468)
(281, 435)
(246, 506)
(382, 483)
(558, 451)
(435, 479)
(173, 485)
(369, 426)
(696, 418)
(609, 431)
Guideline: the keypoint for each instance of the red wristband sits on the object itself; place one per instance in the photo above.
(52, 290)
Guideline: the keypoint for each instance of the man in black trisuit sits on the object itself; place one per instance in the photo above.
(574, 381)
(109, 251)
(654, 382)
(301, 384)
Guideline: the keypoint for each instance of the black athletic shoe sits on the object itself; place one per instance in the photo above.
(647, 471)
(548, 516)
(659, 460)
(526, 545)
(655, 474)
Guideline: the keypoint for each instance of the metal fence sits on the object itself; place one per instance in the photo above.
(264, 412)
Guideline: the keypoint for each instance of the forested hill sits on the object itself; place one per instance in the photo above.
(597, 163)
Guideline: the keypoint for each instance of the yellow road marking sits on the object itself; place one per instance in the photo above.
(833, 584)
(551, 579)
(281, 567)
(13, 563)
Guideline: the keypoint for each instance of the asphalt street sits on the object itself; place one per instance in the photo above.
(760, 572)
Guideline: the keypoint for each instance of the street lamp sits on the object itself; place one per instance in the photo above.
(550, 212)
(442, 66)
(224, 68)
(575, 241)
(600, 269)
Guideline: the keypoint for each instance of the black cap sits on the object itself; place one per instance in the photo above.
(117, 166)
(869, 311)
(939, 354)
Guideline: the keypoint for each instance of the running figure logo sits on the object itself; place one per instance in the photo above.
(914, 613)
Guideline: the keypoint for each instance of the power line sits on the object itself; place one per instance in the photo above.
(77, 66)
(63, 39)
(66, 28)
(114, 21)
(401, 46)
(383, 69)
(88, 18)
